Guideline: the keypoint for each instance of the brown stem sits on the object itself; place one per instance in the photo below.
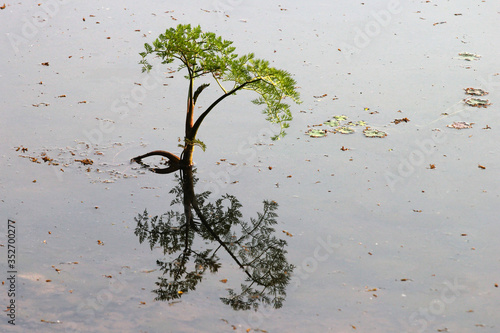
(192, 134)
(190, 106)
(174, 161)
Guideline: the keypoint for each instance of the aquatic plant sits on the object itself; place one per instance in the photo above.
(203, 54)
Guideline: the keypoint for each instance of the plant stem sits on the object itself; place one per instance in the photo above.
(191, 134)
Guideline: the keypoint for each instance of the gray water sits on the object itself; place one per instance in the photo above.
(381, 241)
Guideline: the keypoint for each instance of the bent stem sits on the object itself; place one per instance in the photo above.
(174, 162)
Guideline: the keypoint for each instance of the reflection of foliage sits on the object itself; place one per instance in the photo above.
(252, 245)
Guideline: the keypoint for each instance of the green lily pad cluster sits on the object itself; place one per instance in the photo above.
(343, 126)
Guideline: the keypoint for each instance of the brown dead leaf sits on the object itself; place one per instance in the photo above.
(86, 161)
(397, 121)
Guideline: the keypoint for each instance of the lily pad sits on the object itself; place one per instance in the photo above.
(477, 102)
(333, 123)
(475, 91)
(344, 130)
(374, 133)
(356, 123)
(469, 56)
(460, 125)
(315, 133)
(340, 118)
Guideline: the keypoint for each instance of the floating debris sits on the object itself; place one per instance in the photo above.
(85, 157)
(324, 95)
(397, 121)
(344, 130)
(315, 133)
(460, 125)
(86, 161)
(477, 102)
(469, 56)
(374, 133)
(475, 91)
(50, 321)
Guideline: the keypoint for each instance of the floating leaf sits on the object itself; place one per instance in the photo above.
(469, 56)
(460, 125)
(475, 91)
(477, 102)
(374, 133)
(397, 121)
(340, 118)
(315, 133)
(86, 161)
(333, 123)
(344, 130)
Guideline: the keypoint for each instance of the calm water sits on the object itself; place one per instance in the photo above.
(381, 241)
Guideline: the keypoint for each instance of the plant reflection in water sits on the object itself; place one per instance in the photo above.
(251, 244)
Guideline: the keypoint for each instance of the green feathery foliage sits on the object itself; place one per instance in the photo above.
(205, 54)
